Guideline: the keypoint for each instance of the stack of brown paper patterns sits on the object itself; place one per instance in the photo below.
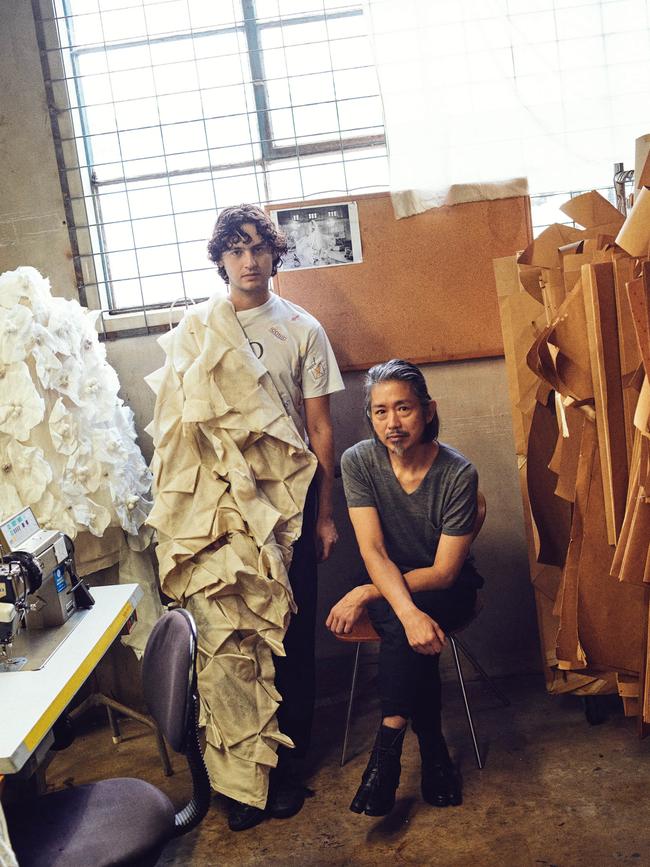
(575, 315)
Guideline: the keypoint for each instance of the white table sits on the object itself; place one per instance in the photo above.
(32, 701)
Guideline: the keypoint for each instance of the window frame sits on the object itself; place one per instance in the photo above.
(251, 27)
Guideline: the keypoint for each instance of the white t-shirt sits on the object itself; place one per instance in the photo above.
(294, 348)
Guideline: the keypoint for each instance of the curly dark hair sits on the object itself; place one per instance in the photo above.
(228, 231)
(402, 371)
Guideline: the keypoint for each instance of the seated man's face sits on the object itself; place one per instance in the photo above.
(398, 418)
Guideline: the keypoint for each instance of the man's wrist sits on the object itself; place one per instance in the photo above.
(405, 610)
(368, 593)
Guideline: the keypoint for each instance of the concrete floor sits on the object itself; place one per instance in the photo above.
(554, 791)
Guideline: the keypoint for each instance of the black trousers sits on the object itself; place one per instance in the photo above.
(409, 682)
(295, 673)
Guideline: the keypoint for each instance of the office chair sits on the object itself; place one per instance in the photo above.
(363, 632)
(126, 821)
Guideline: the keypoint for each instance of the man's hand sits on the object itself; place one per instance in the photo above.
(423, 633)
(347, 611)
(326, 538)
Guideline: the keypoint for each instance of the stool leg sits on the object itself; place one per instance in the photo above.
(115, 728)
(505, 701)
(468, 712)
(353, 686)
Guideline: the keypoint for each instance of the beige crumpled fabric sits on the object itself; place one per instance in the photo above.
(231, 474)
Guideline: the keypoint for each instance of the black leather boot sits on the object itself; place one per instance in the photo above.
(376, 794)
(441, 781)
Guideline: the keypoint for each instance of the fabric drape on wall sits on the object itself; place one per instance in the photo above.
(231, 474)
(479, 91)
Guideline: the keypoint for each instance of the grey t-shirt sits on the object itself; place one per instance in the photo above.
(444, 502)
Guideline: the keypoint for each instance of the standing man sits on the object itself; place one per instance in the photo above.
(247, 248)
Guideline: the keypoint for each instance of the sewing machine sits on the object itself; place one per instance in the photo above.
(40, 593)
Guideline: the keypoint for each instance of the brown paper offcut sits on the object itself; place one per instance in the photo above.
(582, 422)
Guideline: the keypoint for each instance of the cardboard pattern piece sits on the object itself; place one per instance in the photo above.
(579, 349)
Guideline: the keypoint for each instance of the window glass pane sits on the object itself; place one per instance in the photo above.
(132, 84)
(157, 230)
(184, 137)
(141, 142)
(162, 289)
(114, 206)
(193, 256)
(192, 195)
(150, 202)
(126, 293)
(167, 17)
(303, 59)
(352, 52)
(285, 184)
(355, 114)
(196, 225)
(118, 236)
(123, 265)
(306, 89)
(176, 77)
(355, 82)
(177, 107)
(366, 171)
(244, 187)
(123, 23)
(158, 260)
(203, 14)
(133, 113)
(318, 121)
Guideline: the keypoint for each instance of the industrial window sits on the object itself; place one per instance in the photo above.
(166, 112)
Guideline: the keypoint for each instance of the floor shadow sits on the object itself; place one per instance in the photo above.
(394, 824)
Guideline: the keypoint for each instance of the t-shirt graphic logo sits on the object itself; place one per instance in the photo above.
(277, 333)
(318, 370)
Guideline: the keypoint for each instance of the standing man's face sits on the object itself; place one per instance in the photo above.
(398, 418)
(248, 264)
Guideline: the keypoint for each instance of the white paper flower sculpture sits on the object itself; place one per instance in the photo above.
(68, 378)
(64, 429)
(15, 333)
(10, 502)
(21, 406)
(63, 324)
(24, 286)
(78, 465)
(43, 351)
(26, 469)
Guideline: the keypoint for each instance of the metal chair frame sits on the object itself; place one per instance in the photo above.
(456, 644)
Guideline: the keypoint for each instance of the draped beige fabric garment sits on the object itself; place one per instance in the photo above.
(231, 474)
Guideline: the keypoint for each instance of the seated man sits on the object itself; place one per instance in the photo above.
(412, 503)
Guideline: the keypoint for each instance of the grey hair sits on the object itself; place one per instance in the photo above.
(401, 371)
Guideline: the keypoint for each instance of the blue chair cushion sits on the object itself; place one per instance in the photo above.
(118, 821)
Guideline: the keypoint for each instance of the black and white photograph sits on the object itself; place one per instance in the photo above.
(321, 235)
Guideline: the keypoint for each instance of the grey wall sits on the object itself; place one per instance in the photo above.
(472, 396)
(33, 229)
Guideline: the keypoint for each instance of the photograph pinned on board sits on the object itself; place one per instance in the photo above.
(320, 236)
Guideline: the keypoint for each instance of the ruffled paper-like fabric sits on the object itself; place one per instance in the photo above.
(231, 474)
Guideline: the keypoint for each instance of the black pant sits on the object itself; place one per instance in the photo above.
(409, 682)
(295, 673)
